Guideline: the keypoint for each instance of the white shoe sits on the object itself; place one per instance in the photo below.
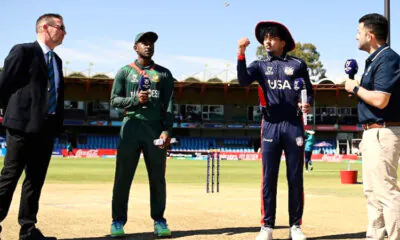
(296, 233)
(265, 234)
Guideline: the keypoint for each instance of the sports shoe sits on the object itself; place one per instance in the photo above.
(265, 233)
(35, 234)
(296, 233)
(117, 229)
(311, 167)
(161, 229)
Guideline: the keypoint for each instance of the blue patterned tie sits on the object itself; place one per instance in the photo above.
(52, 88)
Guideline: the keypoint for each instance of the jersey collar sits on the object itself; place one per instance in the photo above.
(146, 67)
(378, 51)
(270, 58)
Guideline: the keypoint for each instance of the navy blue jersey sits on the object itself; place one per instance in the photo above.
(382, 74)
(279, 88)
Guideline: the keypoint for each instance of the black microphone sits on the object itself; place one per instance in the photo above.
(351, 68)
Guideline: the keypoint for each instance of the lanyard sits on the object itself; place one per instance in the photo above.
(140, 71)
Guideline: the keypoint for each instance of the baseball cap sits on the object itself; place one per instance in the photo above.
(150, 35)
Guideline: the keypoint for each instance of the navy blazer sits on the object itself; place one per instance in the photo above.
(24, 89)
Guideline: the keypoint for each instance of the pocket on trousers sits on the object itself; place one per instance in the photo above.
(387, 140)
(361, 146)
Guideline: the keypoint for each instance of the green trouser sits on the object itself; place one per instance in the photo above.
(136, 136)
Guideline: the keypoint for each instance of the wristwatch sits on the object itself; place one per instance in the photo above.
(355, 89)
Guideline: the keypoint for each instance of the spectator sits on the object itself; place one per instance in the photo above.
(310, 141)
(70, 149)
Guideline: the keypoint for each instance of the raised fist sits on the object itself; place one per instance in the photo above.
(242, 44)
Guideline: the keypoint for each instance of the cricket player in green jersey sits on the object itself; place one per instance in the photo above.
(147, 116)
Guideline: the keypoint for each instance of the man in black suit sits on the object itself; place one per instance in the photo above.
(32, 89)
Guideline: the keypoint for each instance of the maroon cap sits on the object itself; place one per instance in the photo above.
(290, 44)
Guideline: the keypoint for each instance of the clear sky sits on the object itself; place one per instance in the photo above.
(195, 37)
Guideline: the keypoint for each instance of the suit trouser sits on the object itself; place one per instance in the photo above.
(287, 136)
(137, 136)
(380, 148)
(30, 152)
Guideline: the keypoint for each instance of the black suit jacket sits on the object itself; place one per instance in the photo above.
(24, 89)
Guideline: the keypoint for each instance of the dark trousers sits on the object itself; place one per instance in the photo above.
(70, 151)
(307, 156)
(284, 136)
(137, 136)
(30, 152)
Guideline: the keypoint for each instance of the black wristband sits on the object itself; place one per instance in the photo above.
(355, 89)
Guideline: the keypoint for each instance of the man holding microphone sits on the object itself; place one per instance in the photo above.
(378, 111)
(145, 91)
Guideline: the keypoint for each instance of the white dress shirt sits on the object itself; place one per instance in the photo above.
(45, 50)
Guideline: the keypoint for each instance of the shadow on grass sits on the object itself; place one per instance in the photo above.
(220, 231)
(358, 235)
(181, 234)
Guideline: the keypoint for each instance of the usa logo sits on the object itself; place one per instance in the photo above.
(298, 84)
(269, 71)
(299, 141)
(289, 71)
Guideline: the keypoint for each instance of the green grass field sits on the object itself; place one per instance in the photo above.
(325, 179)
(79, 191)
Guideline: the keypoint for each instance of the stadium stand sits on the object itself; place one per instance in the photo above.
(325, 149)
(221, 116)
(184, 144)
(97, 141)
(203, 144)
(75, 114)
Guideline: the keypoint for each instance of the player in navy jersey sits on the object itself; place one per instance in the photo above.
(281, 78)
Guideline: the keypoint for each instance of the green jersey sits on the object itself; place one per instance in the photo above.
(125, 91)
